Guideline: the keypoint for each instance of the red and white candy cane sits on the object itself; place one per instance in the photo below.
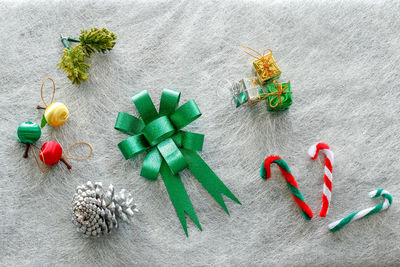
(327, 190)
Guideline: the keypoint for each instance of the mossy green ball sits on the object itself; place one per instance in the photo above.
(29, 132)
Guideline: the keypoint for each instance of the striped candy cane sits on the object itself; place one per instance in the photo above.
(326, 192)
(335, 226)
(291, 182)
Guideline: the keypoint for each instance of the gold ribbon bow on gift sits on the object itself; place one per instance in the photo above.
(266, 71)
(277, 95)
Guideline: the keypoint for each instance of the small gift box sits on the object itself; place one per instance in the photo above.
(246, 89)
(265, 65)
(279, 96)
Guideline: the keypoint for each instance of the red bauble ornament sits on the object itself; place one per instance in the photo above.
(50, 153)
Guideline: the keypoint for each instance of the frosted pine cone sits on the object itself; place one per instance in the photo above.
(96, 212)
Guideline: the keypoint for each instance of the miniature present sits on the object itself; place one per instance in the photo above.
(279, 96)
(265, 66)
(247, 89)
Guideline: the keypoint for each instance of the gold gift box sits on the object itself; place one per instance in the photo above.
(266, 69)
(265, 65)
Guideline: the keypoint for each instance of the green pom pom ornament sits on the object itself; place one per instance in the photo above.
(28, 132)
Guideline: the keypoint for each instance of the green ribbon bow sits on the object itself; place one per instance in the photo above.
(169, 149)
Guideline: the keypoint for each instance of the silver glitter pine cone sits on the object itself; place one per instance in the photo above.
(97, 212)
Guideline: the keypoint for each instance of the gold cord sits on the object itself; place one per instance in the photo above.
(264, 58)
(54, 91)
(79, 143)
(277, 94)
(44, 169)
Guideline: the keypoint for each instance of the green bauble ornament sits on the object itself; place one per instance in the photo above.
(28, 132)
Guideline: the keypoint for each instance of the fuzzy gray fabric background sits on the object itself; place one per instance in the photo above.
(342, 58)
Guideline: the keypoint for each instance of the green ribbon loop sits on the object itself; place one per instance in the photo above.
(189, 140)
(169, 101)
(128, 124)
(133, 145)
(158, 130)
(177, 138)
(172, 156)
(192, 141)
(186, 114)
(170, 150)
(151, 164)
(145, 106)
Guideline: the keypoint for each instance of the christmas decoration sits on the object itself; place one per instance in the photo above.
(97, 211)
(169, 149)
(248, 90)
(291, 182)
(28, 133)
(73, 59)
(245, 89)
(51, 153)
(265, 65)
(95, 40)
(73, 63)
(339, 224)
(279, 96)
(55, 114)
(327, 190)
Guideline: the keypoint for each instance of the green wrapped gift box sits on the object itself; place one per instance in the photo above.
(279, 96)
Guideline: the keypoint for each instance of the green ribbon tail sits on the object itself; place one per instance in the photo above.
(179, 197)
(208, 178)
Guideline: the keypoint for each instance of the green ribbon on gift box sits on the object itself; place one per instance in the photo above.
(169, 149)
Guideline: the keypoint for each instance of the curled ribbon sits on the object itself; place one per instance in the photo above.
(169, 149)
(277, 95)
(263, 63)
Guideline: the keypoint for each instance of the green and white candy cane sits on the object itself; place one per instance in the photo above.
(339, 224)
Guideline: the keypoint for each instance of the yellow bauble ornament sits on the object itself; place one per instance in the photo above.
(56, 114)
